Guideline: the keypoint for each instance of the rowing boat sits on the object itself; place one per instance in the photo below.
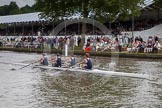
(96, 71)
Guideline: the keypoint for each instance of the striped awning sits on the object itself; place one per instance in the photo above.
(21, 18)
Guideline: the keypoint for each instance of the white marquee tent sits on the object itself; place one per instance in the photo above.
(21, 18)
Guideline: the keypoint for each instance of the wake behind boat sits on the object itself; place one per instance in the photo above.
(96, 71)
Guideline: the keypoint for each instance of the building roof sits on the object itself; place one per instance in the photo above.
(150, 5)
(21, 18)
(148, 2)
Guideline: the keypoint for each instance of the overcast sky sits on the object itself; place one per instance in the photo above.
(20, 3)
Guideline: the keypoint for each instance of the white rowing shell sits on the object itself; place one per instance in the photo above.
(97, 71)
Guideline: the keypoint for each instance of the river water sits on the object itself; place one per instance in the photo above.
(37, 88)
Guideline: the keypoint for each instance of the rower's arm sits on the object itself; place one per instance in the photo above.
(53, 60)
(41, 60)
(82, 62)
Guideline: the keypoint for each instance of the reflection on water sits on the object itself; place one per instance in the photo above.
(37, 88)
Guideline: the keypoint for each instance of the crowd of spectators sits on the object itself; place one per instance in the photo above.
(151, 45)
(123, 43)
(106, 43)
(97, 42)
(39, 41)
(93, 43)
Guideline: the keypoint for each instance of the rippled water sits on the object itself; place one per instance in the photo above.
(36, 88)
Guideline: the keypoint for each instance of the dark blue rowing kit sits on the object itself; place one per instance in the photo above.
(58, 62)
(45, 61)
(72, 62)
(89, 64)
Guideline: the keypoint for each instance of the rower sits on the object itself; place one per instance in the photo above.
(44, 60)
(72, 60)
(56, 62)
(87, 61)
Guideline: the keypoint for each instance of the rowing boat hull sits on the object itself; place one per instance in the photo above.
(97, 71)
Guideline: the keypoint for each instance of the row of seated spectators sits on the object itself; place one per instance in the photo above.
(106, 43)
(99, 43)
(118, 43)
(152, 45)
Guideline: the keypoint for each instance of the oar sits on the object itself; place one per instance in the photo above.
(5, 63)
(69, 67)
(20, 64)
(24, 66)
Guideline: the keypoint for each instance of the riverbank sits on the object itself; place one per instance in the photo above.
(80, 52)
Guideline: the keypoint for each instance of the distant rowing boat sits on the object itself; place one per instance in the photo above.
(96, 71)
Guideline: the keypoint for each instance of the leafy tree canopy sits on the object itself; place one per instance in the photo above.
(158, 2)
(27, 9)
(98, 9)
(13, 9)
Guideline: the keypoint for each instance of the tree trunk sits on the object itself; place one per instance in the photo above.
(83, 32)
(84, 23)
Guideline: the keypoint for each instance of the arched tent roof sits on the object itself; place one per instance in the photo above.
(21, 18)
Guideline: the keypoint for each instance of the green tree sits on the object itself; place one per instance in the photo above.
(26, 9)
(158, 2)
(13, 8)
(4, 10)
(101, 9)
